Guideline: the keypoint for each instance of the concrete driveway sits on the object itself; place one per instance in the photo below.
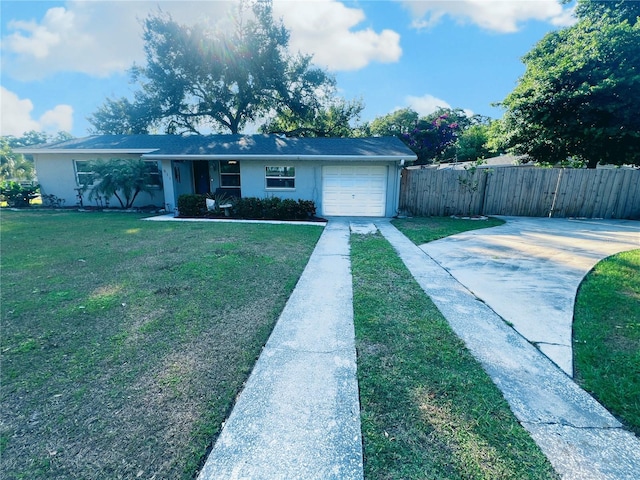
(529, 269)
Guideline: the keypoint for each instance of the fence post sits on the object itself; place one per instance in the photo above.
(555, 193)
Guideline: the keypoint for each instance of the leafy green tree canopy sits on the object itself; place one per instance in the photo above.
(122, 117)
(15, 166)
(396, 123)
(446, 135)
(579, 94)
(331, 120)
(198, 76)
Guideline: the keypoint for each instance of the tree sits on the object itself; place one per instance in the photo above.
(15, 166)
(430, 139)
(444, 134)
(123, 179)
(472, 144)
(396, 123)
(333, 120)
(579, 94)
(121, 117)
(198, 77)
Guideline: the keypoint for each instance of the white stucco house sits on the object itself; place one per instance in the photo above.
(343, 176)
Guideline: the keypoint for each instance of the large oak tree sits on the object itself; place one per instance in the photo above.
(206, 77)
(580, 94)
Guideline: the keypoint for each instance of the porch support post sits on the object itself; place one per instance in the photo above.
(168, 186)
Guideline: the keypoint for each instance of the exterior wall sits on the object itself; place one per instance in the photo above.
(309, 181)
(56, 175)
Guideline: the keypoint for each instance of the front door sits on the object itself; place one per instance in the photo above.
(201, 179)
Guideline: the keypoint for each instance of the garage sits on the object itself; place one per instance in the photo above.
(354, 191)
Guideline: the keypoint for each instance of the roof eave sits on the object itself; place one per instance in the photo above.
(94, 151)
(271, 157)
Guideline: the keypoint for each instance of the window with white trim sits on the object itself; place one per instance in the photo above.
(155, 175)
(230, 174)
(280, 177)
(84, 174)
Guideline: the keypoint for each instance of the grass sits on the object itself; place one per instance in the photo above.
(426, 229)
(429, 411)
(124, 343)
(606, 336)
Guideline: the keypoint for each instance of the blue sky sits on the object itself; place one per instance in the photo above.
(61, 59)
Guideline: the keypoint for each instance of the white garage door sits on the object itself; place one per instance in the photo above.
(356, 191)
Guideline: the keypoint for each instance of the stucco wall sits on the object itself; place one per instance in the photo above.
(56, 175)
(309, 181)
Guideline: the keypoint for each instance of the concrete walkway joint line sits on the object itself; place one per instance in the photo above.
(298, 416)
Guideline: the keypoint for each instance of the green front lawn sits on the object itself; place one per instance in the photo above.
(124, 342)
(427, 229)
(429, 411)
(606, 336)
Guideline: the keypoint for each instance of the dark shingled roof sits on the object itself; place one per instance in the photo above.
(167, 146)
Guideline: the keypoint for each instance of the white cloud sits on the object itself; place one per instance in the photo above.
(97, 38)
(426, 104)
(327, 29)
(15, 118)
(100, 38)
(503, 16)
(58, 119)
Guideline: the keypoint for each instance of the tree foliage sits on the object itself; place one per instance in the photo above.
(579, 94)
(446, 135)
(15, 166)
(199, 77)
(123, 179)
(122, 117)
(331, 120)
(396, 123)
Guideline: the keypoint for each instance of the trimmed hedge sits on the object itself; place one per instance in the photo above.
(192, 205)
(272, 208)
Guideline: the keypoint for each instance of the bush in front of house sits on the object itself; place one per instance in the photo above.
(17, 194)
(273, 208)
(192, 205)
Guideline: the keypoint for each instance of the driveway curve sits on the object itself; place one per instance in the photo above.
(529, 269)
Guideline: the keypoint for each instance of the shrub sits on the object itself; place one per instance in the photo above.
(52, 201)
(192, 205)
(123, 179)
(18, 195)
(273, 208)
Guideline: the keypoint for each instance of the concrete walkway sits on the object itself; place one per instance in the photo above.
(298, 416)
(580, 438)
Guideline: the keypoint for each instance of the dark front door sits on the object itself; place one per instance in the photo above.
(202, 182)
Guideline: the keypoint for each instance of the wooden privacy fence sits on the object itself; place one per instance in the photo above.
(522, 191)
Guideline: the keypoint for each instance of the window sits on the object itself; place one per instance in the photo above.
(229, 174)
(84, 174)
(281, 177)
(155, 175)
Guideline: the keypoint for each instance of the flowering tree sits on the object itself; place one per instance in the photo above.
(433, 139)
